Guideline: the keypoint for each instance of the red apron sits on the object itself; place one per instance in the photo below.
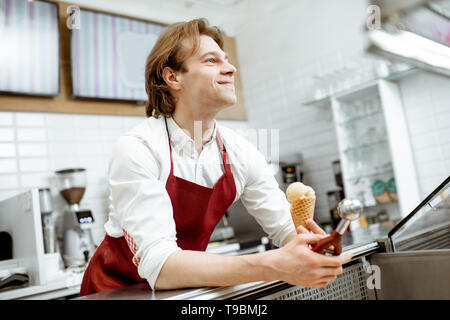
(196, 211)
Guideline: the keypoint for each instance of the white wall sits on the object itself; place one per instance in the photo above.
(276, 48)
(426, 101)
(34, 145)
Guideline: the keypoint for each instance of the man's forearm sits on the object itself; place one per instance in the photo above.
(189, 269)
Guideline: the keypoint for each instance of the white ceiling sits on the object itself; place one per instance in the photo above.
(229, 15)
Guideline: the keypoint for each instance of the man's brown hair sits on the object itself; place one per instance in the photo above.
(171, 51)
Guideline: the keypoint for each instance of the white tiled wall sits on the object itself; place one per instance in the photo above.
(274, 57)
(302, 129)
(34, 145)
(426, 100)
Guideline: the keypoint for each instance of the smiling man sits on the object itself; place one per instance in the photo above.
(172, 181)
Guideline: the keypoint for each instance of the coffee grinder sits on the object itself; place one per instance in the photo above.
(78, 242)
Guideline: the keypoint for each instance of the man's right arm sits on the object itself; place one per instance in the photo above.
(294, 263)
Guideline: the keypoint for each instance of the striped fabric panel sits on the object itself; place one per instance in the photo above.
(29, 42)
(133, 248)
(101, 63)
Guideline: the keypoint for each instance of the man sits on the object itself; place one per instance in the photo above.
(170, 187)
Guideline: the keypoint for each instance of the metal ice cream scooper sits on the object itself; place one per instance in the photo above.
(348, 210)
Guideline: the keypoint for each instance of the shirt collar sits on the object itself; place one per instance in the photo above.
(180, 139)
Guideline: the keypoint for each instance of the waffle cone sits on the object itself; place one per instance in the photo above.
(302, 210)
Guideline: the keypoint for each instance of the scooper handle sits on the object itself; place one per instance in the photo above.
(323, 245)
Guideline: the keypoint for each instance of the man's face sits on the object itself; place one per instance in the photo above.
(209, 81)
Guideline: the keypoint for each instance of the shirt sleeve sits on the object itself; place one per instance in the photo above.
(142, 206)
(263, 198)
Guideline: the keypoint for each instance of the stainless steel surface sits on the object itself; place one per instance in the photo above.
(49, 239)
(414, 274)
(342, 226)
(348, 210)
(45, 200)
(350, 285)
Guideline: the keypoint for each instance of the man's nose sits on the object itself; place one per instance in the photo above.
(228, 68)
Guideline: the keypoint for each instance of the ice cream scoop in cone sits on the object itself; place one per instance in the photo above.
(303, 201)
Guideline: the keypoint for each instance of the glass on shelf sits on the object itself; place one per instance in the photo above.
(359, 110)
(361, 146)
(372, 161)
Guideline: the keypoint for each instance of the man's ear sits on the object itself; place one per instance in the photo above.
(172, 78)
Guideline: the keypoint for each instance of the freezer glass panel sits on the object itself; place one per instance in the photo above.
(427, 226)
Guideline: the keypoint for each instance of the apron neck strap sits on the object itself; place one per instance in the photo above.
(221, 146)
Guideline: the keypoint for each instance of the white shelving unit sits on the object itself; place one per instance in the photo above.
(374, 144)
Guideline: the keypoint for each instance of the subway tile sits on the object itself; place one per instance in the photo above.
(431, 168)
(92, 162)
(443, 120)
(97, 177)
(426, 155)
(441, 105)
(446, 151)
(84, 121)
(8, 165)
(111, 134)
(6, 134)
(6, 118)
(59, 163)
(88, 134)
(61, 134)
(32, 149)
(62, 148)
(7, 150)
(28, 134)
(444, 135)
(107, 147)
(60, 120)
(29, 119)
(33, 165)
(88, 148)
(422, 126)
(35, 180)
(99, 191)
(424, 140)
(111, 122)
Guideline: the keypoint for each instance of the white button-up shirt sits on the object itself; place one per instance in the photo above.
(138, 171)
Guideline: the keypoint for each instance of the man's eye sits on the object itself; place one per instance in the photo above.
(211, 60)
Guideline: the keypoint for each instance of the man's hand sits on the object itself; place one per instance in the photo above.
(297, 264)
(312, 226)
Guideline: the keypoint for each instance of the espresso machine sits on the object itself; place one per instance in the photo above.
(77, 223)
